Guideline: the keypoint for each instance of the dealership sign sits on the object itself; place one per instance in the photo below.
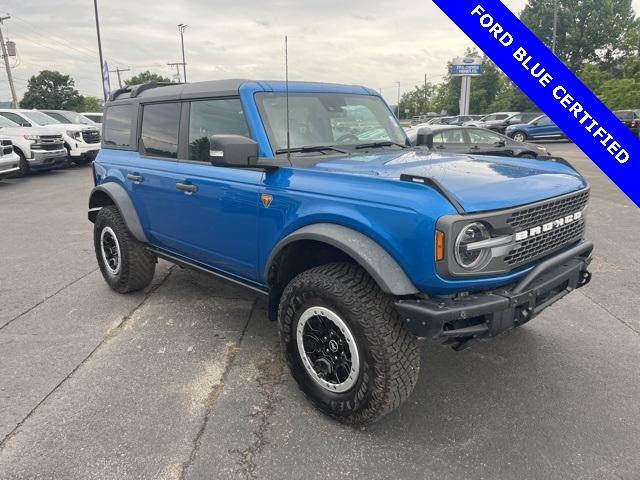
(552, 86)
(466, 67)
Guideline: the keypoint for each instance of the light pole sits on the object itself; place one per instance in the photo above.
(398, 100)
(182, 27)
(555, 26)
(95, 5)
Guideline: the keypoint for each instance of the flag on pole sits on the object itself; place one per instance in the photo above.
(106, 84)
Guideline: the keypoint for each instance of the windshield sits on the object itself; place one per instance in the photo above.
(40, 118)
(73, 117)
(6, 123)
(328, 119)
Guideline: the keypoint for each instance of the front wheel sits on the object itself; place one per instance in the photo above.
(125, 263)
(345, 344)
(519, 137)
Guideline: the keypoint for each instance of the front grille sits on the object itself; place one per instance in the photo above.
(543, 244)
(6, 147)
(47, 146)
(91, 136)
(49, 138)
(538, 215)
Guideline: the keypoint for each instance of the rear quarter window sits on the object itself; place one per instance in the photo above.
(117, 126)
(625, 115)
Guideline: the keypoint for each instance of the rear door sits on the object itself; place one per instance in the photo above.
(450, 141)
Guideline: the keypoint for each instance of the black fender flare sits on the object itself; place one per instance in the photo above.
(382, 267)
(120, 198)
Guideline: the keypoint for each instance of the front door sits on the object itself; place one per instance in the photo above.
(484, 142)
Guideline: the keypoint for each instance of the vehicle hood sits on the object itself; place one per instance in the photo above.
(20, 131)
(73, 127)
(479, 183)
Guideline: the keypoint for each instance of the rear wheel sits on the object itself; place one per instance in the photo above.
(519, 137)
(345, 344)
(125, 263)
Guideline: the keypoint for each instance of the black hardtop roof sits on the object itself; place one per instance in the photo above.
(160, 91)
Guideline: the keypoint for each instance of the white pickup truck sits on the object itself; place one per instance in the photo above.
(37, 148)
(81, 141)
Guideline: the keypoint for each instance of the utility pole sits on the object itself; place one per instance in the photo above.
(6, 63)
(181, 28)
(398, 107)
(555, 26)
(118, 71)
(177, 65)
(102, 75)
(425, 94)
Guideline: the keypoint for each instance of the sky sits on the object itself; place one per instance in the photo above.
(372, 43)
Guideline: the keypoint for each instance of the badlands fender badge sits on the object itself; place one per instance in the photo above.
(266, 200)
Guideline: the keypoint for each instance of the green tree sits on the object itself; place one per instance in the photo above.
(53, 90)
(92, 104)
(145, 77)
(418, 101)
(621, 93)
(589, 31)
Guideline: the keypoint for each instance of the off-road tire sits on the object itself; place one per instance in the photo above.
(389, 355)
(137, 265)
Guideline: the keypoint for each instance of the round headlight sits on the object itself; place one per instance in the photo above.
(473, 259)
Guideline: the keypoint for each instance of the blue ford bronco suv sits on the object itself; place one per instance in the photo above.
(311, 195)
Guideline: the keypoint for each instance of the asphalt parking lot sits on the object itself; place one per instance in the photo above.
(185, 380)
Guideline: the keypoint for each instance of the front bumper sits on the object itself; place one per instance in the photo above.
(84, 150)
(463, 320)
(45, 159)
(9, 164)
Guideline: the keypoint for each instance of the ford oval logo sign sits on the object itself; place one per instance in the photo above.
(469, 60)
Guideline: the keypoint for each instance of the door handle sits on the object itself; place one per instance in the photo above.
(187, 188)
(440, 147)
(135, 177)
(475, 147)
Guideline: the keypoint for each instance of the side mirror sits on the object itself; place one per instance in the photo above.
(500, 143)
(425, 138)
(233, 151)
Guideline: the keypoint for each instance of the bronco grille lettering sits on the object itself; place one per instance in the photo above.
(547, 227)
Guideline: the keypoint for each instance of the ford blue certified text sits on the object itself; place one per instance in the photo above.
(362, 245)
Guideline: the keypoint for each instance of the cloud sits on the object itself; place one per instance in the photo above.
(371, 43)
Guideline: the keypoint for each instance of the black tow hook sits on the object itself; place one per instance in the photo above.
(585, 278)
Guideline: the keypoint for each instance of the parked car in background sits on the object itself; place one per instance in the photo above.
(489, 119)
(94, 116)
(67, 117)
(476, 141)
(438, 121)
(500, 126)
(9, 160)
(631, 118)
(462, 119)
(81, 141)
(37, 148)
(540, 128)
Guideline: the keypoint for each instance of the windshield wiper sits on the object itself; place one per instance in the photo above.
(314, 148)
(380, 144)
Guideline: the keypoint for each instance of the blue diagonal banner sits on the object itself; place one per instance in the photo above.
(552, 86)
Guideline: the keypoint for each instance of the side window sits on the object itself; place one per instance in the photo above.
(57, 116)
(490, 118)
(117, 126)
(160, 125)
(449, 137)
(500, 117)
(483, 137)
(543, 121)
(211, 117)
(515, 119)
(16, 118)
